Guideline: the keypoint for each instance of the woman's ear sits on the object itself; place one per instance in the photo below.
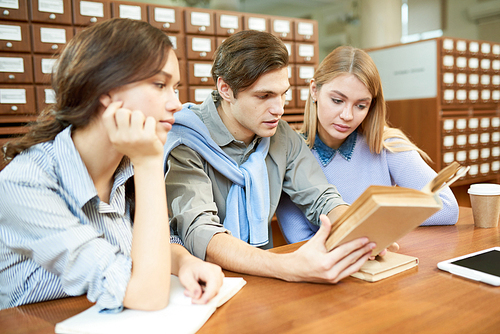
(105, 100)
(224, 90)
(313, 90)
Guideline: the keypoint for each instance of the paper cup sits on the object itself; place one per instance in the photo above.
(485, 202)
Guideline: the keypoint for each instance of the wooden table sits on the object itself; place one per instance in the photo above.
(420, 300)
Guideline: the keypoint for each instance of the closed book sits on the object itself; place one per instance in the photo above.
(385, 266)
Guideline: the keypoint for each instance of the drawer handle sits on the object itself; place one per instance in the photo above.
(166, 25)
(6, 12)
(202, 28)
(54, 47)
(203, 54)
(9, 44)
(14, 108)
(230, 31)
(93, 19)
(52, 16)
(204, 79)
(12, 76)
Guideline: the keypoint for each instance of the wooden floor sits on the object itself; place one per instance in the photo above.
(460, 193)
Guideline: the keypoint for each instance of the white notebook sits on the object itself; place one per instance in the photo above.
(180, 316)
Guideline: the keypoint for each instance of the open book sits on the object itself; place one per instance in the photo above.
(384, 214)
(180, 316)
(385, 266)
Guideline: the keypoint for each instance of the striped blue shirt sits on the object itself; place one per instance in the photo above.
(57, 239)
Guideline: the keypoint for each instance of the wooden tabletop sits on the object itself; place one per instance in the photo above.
(423, 299)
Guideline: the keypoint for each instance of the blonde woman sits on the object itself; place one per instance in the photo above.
(346, 129)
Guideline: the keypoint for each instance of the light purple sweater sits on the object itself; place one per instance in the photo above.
(352, 175)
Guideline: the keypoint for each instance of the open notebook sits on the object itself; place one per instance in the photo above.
(180, 316)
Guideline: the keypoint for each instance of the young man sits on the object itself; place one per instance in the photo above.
(229, 159)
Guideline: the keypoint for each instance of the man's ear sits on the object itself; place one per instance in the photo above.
(224, 90)
(105, 100)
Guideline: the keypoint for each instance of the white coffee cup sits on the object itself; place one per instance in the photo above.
(485, 202)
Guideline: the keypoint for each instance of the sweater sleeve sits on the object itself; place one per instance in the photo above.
(409, 170)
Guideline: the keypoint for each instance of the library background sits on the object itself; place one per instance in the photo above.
(439, 60)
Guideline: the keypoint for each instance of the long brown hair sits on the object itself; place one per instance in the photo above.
(100, 58)
(242, 58)
(347, 59)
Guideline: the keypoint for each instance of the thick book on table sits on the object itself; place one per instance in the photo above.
(385, 266)
(180, 316)
(384, 214)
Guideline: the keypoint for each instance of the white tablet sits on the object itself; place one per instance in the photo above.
(483, 266)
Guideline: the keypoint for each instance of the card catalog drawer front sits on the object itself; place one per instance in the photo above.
(44, 97)
(15, 37)
(290, 98)
(306, 31)
(256, 22)
(282, 28)
(198, 21)
(227, 24)
(43, 65)
(16, 10)
(199, 73)
(51, 11)
(301, 96)
(179, 43)
(169, 19)
(306, 53)
(199, 94)
(51, 39)
(17, 100)
(87, 12)
(200, 47)
(304, 74)
(16, 68)
(127, 10)
(182, 94)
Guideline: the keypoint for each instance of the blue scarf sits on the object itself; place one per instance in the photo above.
(247, 204)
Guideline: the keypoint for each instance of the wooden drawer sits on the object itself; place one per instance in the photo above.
(49, 11)
(199, 21)
(168, 19)
(50, 38)
(129, 10)
(228, 23)
(16, 10)
(16, 68)
(15, 37)
(87, 12)
(17, 100)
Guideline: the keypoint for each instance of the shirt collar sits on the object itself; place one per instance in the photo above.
(74, 175)
(218, 131)
(326, 153)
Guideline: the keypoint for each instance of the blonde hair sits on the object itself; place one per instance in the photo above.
(350, 60)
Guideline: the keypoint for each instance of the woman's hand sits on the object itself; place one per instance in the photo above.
(132, 134)
(201, 279)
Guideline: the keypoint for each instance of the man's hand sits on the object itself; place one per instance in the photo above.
(313, 263)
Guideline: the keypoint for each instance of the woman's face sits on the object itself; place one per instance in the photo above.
(342, 105)
(154, 96)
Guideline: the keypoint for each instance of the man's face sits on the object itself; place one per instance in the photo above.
(257, 109)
